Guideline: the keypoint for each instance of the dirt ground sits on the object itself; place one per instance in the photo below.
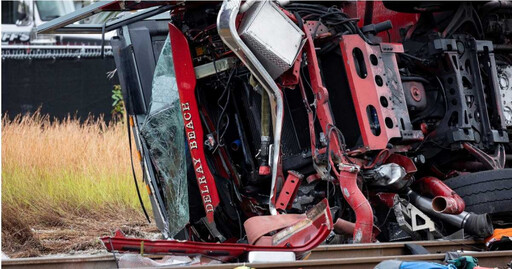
(71, 236)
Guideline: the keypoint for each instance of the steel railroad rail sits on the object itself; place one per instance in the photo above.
(392, 249)
(331, 256)
(487, 259)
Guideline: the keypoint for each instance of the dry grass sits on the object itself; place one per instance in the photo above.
(64, 176)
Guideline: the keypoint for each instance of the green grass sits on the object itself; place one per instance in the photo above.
(63, 191)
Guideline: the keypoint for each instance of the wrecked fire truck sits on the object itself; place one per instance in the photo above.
(264, 125)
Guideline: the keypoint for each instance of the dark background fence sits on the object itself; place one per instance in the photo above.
(61, 87)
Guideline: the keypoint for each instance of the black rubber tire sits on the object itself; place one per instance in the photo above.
(485, 192)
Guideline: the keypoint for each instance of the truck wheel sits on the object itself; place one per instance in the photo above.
(485, 192)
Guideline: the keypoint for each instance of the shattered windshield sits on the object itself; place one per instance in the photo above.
(165, 137)
(49, 10)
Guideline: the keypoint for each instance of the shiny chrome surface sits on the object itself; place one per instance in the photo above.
(271, 36)
(228, 32)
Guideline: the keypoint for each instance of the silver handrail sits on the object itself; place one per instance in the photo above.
(228, 32)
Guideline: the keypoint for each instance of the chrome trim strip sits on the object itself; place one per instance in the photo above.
(228, 32)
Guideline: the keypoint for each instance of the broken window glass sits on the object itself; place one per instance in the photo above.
(165, 137)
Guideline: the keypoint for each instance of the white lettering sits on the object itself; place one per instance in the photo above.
(199, 169)
(201, 178)
(190, 125)
(206, 190)
(191, 135)
(209, 208)
(193, 145)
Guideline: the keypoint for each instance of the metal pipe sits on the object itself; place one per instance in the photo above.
(226, 28)
(445, 200)
(475, 224)
(248, 4)
(344, 227)
(363, 228)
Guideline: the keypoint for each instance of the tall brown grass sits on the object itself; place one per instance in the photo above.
(58, 170)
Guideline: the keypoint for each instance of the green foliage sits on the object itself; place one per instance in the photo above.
(118, 103)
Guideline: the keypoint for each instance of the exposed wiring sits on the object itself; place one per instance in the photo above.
(330, 16)
(133, 171)
(341, 140)
(223, 108)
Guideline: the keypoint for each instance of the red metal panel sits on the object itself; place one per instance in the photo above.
(347, 177)
(186, 80)
(289, 190)
(368, 89)
(357, 9)
(299, 241)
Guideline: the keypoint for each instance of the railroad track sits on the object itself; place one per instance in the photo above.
(487, 259)
(332, 256)
(391, 249)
